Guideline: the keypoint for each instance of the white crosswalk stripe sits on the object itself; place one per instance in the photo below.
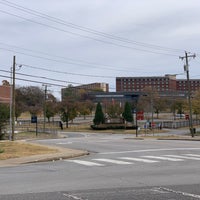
(193, 155)
(143, 159)
(86, 163)
(184, 157)
(139, 159)
(163, 158)
(113, 161)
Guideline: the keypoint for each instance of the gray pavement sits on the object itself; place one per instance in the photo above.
(65, 153)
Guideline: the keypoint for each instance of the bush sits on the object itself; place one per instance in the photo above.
(1, 150)
(2, 136)
(99, 116)
(111, 126)
(127, 114)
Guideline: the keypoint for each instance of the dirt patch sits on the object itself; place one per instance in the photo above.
(10, 149)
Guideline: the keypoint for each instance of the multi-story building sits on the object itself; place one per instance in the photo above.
(72, 90)
(138, 84)
(167, 83)
(94, 86)
(182, 85)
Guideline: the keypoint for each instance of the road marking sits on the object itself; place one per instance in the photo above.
(149, 150)
(163, 158)
(64, 143)
(179, 192)
(139, 159)
(113, 161)
(184, 157)
(86, 163)
(193, 155)
(73, 197)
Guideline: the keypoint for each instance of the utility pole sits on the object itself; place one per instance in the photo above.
(13, 100)
(186, 69)
(45, 98)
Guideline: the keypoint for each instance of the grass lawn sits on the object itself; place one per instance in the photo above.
(12, 149)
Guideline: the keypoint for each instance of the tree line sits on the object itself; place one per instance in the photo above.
(32, 99)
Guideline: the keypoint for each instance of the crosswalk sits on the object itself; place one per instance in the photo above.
(147, 159)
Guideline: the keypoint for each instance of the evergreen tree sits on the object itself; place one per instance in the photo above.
(127, 114)
(99, 116)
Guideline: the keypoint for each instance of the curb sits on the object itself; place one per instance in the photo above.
(63, 153)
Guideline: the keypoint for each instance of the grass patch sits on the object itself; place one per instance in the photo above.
(32, 135)
(19, 149)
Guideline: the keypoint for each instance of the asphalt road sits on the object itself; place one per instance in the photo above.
(118, 167)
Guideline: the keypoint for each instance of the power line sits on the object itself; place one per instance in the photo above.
(61, 61)
(65, 60)
(33, 81)
(41, 82)
(40, 57)
(68, 73)
(74, 61)
(85, 36)
(85, 29)
(41, 77)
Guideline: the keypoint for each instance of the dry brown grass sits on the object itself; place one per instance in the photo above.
(19, 149)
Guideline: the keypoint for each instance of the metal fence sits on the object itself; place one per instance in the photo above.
(179, 124)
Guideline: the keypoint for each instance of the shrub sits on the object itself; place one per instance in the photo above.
(99, 115)
(127, 114)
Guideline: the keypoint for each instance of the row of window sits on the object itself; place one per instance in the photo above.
(144, 79)
(138, 89)
(191, 81)
(142, 86)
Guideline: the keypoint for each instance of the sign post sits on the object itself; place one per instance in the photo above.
(34, 120)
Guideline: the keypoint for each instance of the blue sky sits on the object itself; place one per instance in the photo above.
(82, 41)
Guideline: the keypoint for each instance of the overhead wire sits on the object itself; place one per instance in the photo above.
(85, 36)
(41, 57)
(42, 82)
(68, 73)
(85, 29)
(28, 80)
(63, 59)
(50, 18)
(41, 77)
(109, 67)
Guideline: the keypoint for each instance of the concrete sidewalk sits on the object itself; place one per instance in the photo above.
(63, 153)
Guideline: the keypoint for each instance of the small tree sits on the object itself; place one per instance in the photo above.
(85, 108)
(127, 114)
(114, 110)
(99, 116)
(65, 117)
(4, 116)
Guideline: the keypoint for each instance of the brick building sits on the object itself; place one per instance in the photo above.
(94, 86)
(138, 84)
(160, 83)
(181, 84)
(5, 92)
(104, 87)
